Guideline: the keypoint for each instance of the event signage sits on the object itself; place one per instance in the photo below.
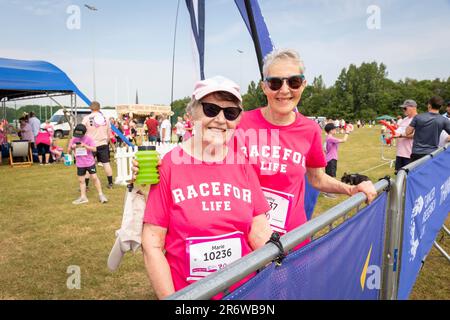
(427, 204)
(343, 264)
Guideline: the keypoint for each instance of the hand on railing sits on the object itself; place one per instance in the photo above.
(367, 188)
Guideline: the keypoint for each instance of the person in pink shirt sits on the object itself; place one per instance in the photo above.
(43, 142)
(188, 127)
(331, 153)
(83, 147)
(99, 129)
(284, 146)
(404, 141)
(206, 211)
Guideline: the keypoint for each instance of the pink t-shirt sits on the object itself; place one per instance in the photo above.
(187, 133)
(280, 155)
(43, 137)
(404, 145)
(84, 157)
(332, 148)
(208, 209)
(98, 128)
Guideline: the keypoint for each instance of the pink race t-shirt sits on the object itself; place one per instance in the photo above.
(207, 209)
(84, 158)
(280, 156)
(404, 145)
(332, 148)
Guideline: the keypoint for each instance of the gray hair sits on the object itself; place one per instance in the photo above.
(192, 105)
(281, 54)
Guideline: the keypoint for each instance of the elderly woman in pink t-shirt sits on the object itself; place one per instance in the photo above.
(208, 209)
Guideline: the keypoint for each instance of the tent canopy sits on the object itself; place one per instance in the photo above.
(21, 79)
(385, 117)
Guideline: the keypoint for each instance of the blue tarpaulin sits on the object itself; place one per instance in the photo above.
(22, 78)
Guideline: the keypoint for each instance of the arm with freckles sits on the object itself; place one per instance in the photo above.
(323, 182)
(260, 232)
(158, 270)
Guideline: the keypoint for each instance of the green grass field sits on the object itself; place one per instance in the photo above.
(42, 234)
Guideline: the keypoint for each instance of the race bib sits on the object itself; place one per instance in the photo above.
(280, 205)
(80, 152)
(206, 255)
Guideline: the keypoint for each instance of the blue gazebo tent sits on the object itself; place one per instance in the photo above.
(23, 79)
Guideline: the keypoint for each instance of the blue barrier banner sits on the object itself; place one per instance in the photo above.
(343, 264)
(427, 204)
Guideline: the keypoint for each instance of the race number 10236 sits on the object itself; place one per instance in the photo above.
(216, 255)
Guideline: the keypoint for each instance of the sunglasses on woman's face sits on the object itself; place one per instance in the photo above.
(294, 82)
(211, 110)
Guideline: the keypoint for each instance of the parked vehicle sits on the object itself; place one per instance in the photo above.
(61, 125)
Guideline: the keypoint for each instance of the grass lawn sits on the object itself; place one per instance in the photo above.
(43, 234)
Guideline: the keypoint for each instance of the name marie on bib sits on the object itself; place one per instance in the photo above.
(270, 157)
(212, 189)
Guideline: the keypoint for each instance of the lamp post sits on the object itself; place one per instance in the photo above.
(92, 8)
(240, 67)
(173, 52)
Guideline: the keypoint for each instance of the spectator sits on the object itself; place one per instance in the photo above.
(188, 127)
(152, 127)
(99, 129)
(404, 141)
(133, 132)
(49, 127)
(180, 213)
(179, 126)
(84, 146)
(56, 152)
(331, 152)
(35, 123)
(43, 142)
(3, 140)
(26, 132)
(166, 129)
(427, 128)
(445, 137)
(447, 114)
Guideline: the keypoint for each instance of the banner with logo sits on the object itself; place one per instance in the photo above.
(343, 264)
(427, 204)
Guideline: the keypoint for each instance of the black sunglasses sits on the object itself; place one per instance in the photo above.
(294, 82)
(212, 110)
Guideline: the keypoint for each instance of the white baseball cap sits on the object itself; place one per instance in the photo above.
(218, 83)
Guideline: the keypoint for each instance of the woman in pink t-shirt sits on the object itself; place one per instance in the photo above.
(284, 146)
(208, 210)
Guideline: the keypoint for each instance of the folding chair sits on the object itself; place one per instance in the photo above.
(20, 149)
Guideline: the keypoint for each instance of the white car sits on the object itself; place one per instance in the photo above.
(61, 126)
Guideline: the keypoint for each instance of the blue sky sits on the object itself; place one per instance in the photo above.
(134, 39)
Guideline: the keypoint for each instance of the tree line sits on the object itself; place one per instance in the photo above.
(360, 92)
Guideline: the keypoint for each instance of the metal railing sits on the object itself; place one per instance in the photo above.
(221, 280)
(391, 273)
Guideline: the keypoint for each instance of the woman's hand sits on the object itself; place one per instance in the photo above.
(135, 169)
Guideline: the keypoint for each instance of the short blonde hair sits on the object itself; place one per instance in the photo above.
(282, 54)
(95, 106)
